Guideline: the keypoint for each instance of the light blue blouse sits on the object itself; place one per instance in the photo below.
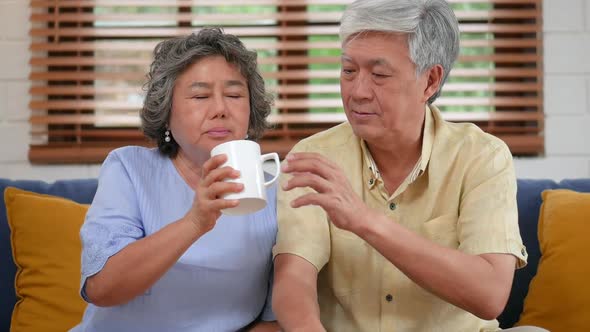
(221, 283)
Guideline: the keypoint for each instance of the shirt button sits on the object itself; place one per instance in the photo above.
(371, 181)
(392, 206)
(523, 252)
(388, 297)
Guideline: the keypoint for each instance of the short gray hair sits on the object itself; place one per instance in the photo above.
(431, 26)
(173, 56)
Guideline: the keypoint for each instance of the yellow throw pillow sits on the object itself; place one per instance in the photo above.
(46, 247)
(558, 297)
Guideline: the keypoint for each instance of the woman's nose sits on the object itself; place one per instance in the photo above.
(219, 107)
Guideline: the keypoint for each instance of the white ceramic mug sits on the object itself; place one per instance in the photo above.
(245, 157)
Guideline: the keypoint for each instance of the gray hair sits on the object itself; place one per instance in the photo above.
(431, 26)
(173, 56)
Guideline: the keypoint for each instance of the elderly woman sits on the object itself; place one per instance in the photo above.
(157, 253)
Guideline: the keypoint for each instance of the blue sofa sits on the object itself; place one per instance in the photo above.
(82, 191)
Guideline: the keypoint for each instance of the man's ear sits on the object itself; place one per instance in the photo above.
(434, 79)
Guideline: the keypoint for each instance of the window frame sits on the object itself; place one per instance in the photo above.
(66, 126)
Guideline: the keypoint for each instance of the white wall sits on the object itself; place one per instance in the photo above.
(567, 93)
(14, 99)
(567, 96)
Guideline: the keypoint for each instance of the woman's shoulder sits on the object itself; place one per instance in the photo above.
(136, 156)
(136, 160)
(134, 153)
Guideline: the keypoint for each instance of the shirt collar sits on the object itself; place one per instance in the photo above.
(427, 137)
(372, 171)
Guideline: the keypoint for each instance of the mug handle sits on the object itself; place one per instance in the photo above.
(274, 156)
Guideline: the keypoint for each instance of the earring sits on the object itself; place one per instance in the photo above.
(246, 136)
(167, 136)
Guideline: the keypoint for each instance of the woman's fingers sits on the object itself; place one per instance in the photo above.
(220, 204)
(213, 163)
(219, 189)
(218, 175)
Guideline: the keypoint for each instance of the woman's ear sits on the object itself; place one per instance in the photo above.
(434, 79)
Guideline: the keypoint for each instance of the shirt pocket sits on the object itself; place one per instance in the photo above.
(442, 230)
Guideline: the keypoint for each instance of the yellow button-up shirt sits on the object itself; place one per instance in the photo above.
(461, 194)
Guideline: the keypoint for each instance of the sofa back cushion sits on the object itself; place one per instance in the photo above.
(81, 191)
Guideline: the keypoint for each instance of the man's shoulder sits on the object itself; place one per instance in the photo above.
(331, 140)
(469, 138)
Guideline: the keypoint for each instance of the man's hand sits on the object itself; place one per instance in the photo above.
(333, 191)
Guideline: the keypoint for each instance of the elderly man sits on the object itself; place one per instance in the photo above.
(396, 220)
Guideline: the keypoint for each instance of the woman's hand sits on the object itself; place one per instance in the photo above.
(209, 202)
(265, 327)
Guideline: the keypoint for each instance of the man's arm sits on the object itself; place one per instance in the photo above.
(479, 284)
(294, 300)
